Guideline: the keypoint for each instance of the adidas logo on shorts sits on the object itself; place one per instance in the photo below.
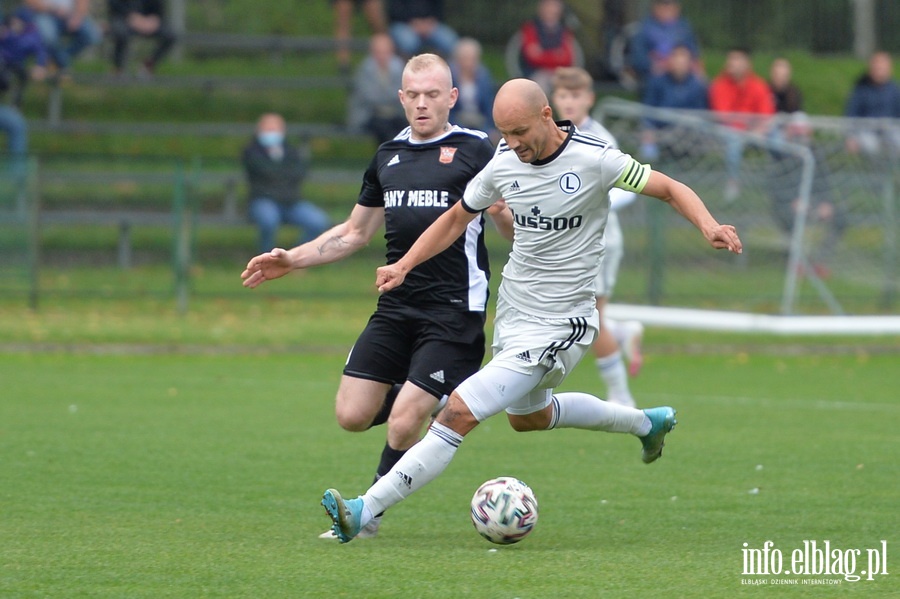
(438, 376)
(525, 356)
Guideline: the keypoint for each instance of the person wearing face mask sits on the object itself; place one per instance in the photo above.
(275, 169)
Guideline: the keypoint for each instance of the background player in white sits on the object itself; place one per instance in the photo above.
(572, 98)
(555, 182)
(434, 327)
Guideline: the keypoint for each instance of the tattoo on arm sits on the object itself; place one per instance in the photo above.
(332, 243)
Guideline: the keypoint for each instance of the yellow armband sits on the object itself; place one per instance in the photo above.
(634, 177)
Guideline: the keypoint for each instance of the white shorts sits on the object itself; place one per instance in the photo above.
(614, 249)
(531, 356)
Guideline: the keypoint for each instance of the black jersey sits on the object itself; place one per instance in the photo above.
(416, 182)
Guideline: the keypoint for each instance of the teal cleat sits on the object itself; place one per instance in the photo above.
(663, 421)
(346, 515)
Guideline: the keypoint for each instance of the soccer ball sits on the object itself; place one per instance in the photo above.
(504, 510)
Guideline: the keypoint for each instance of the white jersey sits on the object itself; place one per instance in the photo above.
(560, 206)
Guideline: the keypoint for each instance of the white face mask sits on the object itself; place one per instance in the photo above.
(270, 139)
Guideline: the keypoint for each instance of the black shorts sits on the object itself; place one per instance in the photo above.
(434, 349)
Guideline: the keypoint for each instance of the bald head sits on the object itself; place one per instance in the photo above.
(523, 116)
(519, 98)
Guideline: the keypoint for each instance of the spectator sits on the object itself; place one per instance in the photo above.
(373, 106)
(875, 95)
(678, 88)
(737, 89)
(20, 40)
(415, 24)
(144, 18)
(659, 34)
(784, 184)
(343, 17)
(475, 103)
(12, 123)
(547, 43)
(788, 97)
(275, 170)
(58, 19)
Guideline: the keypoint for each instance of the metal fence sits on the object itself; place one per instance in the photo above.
(814, 199)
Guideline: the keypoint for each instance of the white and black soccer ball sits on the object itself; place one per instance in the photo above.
(504, 510)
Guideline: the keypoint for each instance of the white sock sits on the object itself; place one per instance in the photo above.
(612, 371)
(581, 410)
(419, 466)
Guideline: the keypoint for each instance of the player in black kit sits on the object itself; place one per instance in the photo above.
(426, 336)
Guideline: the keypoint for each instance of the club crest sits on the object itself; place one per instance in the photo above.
(447, 155)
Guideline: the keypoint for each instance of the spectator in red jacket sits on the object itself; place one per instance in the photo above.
(547, 43)
(737, 89)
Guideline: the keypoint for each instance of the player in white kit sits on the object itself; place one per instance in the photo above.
(556, 182)
(572, 99)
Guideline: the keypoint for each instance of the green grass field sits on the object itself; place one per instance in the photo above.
(198, 474)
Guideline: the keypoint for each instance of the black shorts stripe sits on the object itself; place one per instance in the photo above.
(579, 328)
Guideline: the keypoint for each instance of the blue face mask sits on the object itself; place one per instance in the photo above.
(270, 139)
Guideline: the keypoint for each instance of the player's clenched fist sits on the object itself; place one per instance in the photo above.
(388, 277)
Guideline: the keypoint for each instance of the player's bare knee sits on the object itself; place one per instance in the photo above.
(456, 415)
(522, 423)
(405, 429)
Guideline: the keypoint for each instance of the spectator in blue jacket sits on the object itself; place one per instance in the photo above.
(660, 33)
(19, 41)
(474, 107)
(875, 95)
(678, 88)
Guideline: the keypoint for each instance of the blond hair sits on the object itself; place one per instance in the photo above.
(572, 78)
(424, 62)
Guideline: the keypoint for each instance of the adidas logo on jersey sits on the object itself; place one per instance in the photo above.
(525, 356)
(514, 187)
(438, 376)
(394, 160)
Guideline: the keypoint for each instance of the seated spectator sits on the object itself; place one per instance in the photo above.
(19, 41)
(61, 20)
(737, 89)
(788, 97)
(373, 105)
(343, 18)
(678, 88)
(12, 123)
(875, 95)
(417, 24)
(547, 43)
(474, 106)
(659, 34)
(275, 170)
(784, 185)
(144, 18)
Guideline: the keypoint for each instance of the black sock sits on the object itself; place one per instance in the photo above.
(382, 416)
(389, 457)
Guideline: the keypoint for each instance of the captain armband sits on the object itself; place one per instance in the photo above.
(634, 177)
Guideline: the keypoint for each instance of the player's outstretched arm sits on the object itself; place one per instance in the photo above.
(688, 204)
(334, 244)
(436, 238)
